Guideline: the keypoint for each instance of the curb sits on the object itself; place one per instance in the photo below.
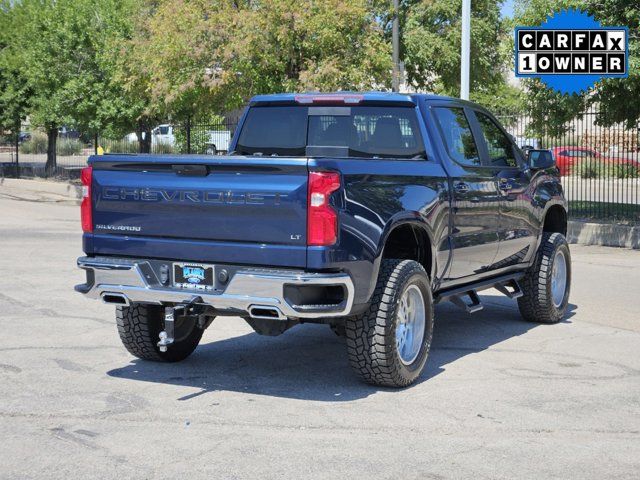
(606, 235)
(41, 190)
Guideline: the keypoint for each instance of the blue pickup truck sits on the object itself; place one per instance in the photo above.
(359, 211)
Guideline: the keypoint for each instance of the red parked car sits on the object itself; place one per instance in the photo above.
(568, 157)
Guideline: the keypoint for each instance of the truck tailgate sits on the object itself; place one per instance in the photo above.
(201, 208)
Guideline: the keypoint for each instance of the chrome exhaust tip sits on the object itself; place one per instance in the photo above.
(266, 312)
(115, 299)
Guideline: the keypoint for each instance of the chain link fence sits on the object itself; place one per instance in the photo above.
(600, 166)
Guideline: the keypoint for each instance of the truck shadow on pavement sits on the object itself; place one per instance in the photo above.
(309, 362)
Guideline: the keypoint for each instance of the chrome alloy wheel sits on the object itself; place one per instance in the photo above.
(410, 324)
(559, 278)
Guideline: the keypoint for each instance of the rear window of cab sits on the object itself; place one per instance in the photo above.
(361, 131)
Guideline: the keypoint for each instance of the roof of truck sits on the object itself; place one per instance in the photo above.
(390, 97)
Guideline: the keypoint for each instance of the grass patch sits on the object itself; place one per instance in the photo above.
(604, 211)
(162, 148)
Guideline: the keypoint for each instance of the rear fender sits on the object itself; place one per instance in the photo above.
(403, 218)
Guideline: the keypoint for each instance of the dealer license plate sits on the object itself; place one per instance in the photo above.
(192, 276)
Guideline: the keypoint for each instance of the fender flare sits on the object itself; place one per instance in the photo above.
(401, 219)
(553, 202)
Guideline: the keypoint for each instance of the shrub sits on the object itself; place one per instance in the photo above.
(162, 147)
(592, 168)
(200, 136)
(122, 146)
(625, 170)
(69, 146)
(35, 145)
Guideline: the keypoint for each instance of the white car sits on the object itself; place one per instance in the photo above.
(218, 141)
(161, 134)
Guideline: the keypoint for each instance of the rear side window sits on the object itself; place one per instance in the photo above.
(363, 131)
(458, 138)
(501, 151)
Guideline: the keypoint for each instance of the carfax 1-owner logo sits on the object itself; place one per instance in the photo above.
(571, 51)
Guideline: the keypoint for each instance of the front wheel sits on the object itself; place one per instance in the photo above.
(388, 345)
(547, 284)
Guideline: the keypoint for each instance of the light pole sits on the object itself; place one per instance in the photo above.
(395, 40)
(464, 49)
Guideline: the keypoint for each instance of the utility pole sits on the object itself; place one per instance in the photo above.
(465, 49)
(17, 132)
(395, 40)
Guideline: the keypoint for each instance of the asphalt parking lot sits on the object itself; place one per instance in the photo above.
(501, 398)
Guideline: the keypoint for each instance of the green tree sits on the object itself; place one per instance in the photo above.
(124, 56)
(214, 55)
(431, 47)
(619, 96)
(14, 91)
(58, 50)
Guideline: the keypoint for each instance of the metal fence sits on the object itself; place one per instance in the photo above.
(600, 166)
(26, 155)
(177, 138)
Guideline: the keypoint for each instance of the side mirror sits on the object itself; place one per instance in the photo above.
(540, 159)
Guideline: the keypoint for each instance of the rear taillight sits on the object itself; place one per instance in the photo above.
(322, 220)
(86, 176)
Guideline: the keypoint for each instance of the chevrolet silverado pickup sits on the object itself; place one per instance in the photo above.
(359, 211)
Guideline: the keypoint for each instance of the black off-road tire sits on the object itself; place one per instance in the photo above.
(139, 326)
(536, 303)
(371, 336)
(339, 329)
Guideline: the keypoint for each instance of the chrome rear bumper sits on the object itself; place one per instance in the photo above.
(248, 289)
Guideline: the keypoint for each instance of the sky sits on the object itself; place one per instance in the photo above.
(507, 8)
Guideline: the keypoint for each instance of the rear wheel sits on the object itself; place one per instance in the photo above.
(547, 284)
(388, 345)
(139, 326)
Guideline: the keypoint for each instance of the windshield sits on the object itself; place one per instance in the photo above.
(364, 131)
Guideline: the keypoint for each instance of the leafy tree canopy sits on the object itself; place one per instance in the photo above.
(432, 41)
(219, 53)
(14, 91)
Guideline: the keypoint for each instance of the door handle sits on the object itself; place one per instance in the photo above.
(505, 183)
(461, 187)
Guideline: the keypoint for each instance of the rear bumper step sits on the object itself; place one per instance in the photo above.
(250, 292)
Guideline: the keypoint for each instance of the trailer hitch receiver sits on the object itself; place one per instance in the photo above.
(167, 336)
